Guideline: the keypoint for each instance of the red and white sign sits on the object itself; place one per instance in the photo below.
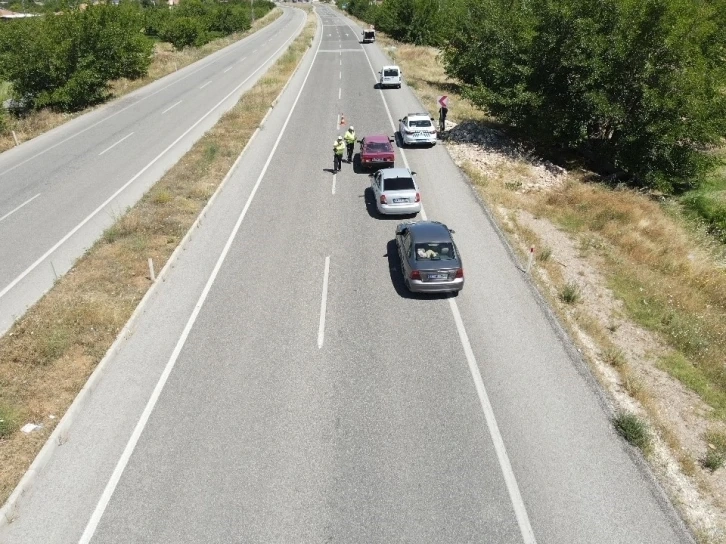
(443, 101)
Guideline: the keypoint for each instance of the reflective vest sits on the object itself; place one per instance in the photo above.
(338, 147)
(349, 137)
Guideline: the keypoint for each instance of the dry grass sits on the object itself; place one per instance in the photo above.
(48, 354)
(165, 61)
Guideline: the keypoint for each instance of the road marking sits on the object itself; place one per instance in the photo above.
(114, 145)
(520, 510)
(243, 58)
(337, 122)
(11, 212)
(334, 179)
(340, 90)
(207, 83)
(108, 491)
(340, 74)
(227, 69)
(172, 106)
(323, 303)
(105, 203)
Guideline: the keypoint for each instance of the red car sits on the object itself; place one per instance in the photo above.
(376, 151)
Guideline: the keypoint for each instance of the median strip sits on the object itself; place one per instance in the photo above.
(47, 355)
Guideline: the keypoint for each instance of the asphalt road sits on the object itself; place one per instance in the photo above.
(236, 413)
(59, 191)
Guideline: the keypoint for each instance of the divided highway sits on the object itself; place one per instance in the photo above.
(281, 385)
(59, 191)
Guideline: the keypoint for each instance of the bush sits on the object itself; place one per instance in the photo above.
(183, 31)
(633, 429)
(65, 62)
(635, 86)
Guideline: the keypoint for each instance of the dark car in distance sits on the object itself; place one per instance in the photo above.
(376, 151)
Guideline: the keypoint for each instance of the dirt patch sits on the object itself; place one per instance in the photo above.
(622, 354)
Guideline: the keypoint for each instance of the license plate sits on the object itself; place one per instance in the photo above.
(438, 276)
(399, 200)
(378, 160)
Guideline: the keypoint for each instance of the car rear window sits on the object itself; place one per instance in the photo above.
(377, 147)
(398, 184)
(390, 73)
(420, 123)
(440, 251)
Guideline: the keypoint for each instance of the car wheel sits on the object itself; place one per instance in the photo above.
(406, 282)
(398, 86)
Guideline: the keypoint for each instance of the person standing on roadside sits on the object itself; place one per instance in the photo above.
(443, 110)
(338, 150)
(349, 138)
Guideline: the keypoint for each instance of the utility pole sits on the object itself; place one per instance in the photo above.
(252, 10)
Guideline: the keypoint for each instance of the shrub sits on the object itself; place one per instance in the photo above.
(570, 293)
(183, 31)
(633, 429)
(716, 453)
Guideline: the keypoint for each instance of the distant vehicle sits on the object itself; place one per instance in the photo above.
(389, 76)
(396, 192)
(417, 128)
(430, 260)
(376, 150)
(369, 35)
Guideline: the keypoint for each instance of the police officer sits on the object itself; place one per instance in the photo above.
(338, 149)
(349, 138)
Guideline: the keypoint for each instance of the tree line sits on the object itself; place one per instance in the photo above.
(637, 86)
(65, 60)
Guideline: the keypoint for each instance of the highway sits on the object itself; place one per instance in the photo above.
(281, 386)
(59, 191)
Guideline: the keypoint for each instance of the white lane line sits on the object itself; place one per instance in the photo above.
(243, 58)
(515, 496)
(227, 69)
(340, 90)
(340, 74)
(105, 203)
(337, 122)
(11, 212)
(334, 180)
(141, 424)
(207, 83)
(323, 303)
(172, 106)
(109, 148)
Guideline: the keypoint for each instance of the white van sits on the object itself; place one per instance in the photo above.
(390, 76)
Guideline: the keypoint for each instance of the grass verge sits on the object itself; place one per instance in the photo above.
(47, 356)
(633, 429)
(166, 60)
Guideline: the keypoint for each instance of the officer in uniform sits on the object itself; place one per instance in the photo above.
(349, 138)
(338, 149)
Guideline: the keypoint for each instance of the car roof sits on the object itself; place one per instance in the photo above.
(390, 173)
(426, 115)
(390, 66)
(378, 138)
(429, 231)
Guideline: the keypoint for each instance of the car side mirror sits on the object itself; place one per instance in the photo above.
(400, 120)
(391, 140)
(433, 119)
(452, 231)
(413, 173)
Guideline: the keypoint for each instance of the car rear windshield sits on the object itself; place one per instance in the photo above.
(398, 184)
(440, 251)
(378, 147)
(390, 73)
(420, 123)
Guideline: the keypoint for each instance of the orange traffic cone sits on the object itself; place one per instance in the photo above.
(342, 119)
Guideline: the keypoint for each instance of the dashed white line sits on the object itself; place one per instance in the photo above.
(243, 58)
(109, 148)
(11, 212)
(108, 491)
(340, 91)
(171, 107)
(520, 510)
(228, 69)
(340, 74)
(323, 303)
(207, 83)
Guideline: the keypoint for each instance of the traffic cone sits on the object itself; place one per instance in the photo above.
(342, 119)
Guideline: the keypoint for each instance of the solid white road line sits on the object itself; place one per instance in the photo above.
(11, 212)
(173, 106)
(334, 180)
(165, 87)
(95, 212)
(141, 424)
(515, 496)
(323, 303)
(207, 83)
(114, 145)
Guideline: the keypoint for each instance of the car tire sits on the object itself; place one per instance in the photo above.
(406, 283)
(398, 86)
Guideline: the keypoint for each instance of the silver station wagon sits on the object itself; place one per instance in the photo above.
(430, 260)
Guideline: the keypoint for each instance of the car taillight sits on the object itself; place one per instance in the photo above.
(415, 275)
(418, 197)
(383, 199)
(460, 273)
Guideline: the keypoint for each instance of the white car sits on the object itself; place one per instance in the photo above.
(417, 128)
(396, 192)
(389, 76)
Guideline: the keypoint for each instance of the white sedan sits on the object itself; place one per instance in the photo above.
(396, 192)
(417, 128)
